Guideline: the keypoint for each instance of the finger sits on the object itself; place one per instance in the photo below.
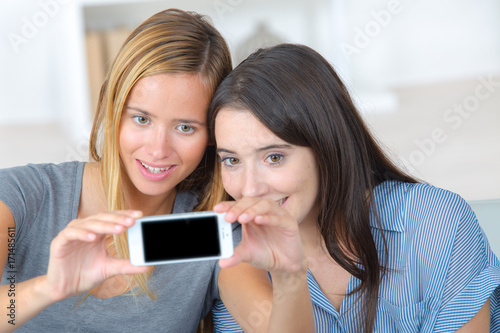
(234, 209)
(75, 234)
(113, 223)
(229, 262)
(262, 207)
(223, 206)
(239, 207)
(123, 217)
(240, 254)
(103, 227)
(280, 221)
(234, 260)
(135, 214)
(130, 212)
(67, 237)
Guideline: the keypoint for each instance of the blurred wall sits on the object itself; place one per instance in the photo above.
(426, 75)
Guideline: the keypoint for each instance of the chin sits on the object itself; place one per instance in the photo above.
(153, 189)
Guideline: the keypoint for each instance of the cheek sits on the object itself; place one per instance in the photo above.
(297, 184)
(309, 192)
(288, 180)
(123, 140)
(231, 185)
(128, 140)
(191, 150)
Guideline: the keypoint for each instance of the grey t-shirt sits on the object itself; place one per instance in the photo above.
(44, 198)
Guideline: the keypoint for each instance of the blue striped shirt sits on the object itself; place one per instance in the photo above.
(441, 268)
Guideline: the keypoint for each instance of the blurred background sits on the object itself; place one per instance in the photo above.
(424, 74)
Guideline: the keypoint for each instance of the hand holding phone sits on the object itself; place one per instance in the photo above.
(270, 235)
(174, 238)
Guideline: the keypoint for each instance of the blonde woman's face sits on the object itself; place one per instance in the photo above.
(163, 131)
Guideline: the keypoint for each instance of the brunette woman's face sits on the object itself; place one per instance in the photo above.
(257, 163)
(163, 131)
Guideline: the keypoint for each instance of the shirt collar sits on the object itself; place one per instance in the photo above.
(389, 199)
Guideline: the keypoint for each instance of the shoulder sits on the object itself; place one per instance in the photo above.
(440, 258)
(59, 171)
(432, 227)
(36, 177)
(402, 206)
(21, 188)
(185, 201)
(415, 194)
(427, 199)
(42, 170)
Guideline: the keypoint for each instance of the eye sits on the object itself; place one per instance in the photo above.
(141, 120)
(230, 161)
(274, 158)
(185, 128)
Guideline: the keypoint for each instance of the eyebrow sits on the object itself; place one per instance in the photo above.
(284, 146)
(180, 120)
(138, 110)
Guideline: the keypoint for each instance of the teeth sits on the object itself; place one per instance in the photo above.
(154, 170)
(282, 201)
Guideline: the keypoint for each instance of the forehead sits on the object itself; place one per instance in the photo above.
(240, 128)
(169, 86)
(176, 94)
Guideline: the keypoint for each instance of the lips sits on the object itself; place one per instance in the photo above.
(155, 173)
(154, 169)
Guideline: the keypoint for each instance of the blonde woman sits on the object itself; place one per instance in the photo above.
(63, 240)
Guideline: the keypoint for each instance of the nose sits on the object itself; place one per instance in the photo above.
(159, 144)
(254, 184)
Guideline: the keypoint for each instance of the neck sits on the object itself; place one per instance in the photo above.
(93, 199)
(312, 241)
(149, 205)
(310, 235)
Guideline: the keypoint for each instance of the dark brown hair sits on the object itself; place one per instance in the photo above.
(297, 95)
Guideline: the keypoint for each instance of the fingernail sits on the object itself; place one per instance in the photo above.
(136, 213)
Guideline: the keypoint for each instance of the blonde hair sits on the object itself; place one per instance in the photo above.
(171, 41)
(215, 191)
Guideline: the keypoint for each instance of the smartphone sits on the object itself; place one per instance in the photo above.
(174, 238)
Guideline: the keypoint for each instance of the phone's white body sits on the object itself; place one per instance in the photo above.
(175, 238)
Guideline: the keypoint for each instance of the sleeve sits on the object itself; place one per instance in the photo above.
(21, 189)
(223, 321)
(472, 276)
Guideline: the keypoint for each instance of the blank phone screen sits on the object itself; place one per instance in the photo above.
(189, 238)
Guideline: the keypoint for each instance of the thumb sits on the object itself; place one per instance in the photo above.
(240, 255)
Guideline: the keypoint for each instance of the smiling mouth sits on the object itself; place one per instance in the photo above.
(153, 169)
